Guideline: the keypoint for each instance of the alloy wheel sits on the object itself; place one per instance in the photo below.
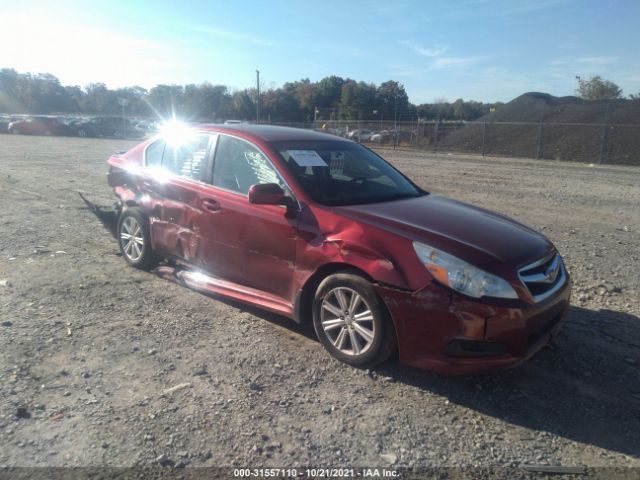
(132, 239)
(347, 321)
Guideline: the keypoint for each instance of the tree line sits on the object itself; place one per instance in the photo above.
(332, 98)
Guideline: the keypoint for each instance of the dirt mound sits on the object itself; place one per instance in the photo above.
(561, 128)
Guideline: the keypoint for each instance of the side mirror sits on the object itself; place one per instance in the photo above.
(267, 194)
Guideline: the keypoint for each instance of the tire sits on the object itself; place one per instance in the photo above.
(15, 131)
(48, 133)
(362, 334)
(134, 239)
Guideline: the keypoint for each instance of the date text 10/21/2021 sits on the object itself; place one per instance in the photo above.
(315, 473)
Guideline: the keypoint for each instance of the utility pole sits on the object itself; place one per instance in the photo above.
(258, 96)
(395, 120)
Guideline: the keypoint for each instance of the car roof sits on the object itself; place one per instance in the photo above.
(272, 133)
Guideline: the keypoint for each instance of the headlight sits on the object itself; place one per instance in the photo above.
(461, 276)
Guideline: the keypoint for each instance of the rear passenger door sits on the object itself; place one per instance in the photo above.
(176, 188)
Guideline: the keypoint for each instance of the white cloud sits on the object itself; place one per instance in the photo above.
(426, 52)
(236, 36)
(438, 60)
(598, 60)
(452, 62)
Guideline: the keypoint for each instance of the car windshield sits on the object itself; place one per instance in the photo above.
(344, 173)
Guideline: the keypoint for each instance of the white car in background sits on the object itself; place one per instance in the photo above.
(360, 135)
(381, 137)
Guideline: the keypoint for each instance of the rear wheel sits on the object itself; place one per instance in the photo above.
(134, 239)
(15, 131)
(352, 322)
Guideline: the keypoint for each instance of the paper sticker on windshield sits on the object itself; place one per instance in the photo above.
(307, 158)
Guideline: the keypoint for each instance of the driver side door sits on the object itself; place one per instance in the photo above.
(258, 241)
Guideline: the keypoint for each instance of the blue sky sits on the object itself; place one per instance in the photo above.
(484, 50)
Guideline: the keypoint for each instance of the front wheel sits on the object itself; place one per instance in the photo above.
(134, 239)
(352, 322)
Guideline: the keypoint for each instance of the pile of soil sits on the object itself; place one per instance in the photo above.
(559, 128)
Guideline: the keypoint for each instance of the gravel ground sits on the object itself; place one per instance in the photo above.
(104, 365)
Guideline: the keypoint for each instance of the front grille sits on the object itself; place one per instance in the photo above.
(544, 277)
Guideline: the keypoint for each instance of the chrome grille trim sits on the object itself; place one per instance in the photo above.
(541, 278)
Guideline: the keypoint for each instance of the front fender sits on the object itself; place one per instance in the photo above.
(326, 238)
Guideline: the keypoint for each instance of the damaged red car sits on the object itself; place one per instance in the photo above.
(322, 229)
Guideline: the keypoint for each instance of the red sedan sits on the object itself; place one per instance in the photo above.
(322, 229)
(38, 126)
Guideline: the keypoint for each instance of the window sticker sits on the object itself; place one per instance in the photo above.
(307, 158)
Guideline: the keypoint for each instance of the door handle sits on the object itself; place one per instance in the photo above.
(210, 205)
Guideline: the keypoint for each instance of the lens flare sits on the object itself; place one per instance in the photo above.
(175, 132)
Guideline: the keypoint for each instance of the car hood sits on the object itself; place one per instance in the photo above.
(478, 236)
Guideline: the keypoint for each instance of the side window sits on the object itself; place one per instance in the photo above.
(153, 154)
(188, 158)
(238, 165)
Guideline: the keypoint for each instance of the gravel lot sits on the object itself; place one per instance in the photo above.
(104, 365)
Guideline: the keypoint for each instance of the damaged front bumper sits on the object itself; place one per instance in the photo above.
(442, 331)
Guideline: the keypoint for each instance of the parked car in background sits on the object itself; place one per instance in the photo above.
(38, 125)
(338, 131)
(360, 135)
(112, 127)
(143, 128)
(381, 137)
(323, 230)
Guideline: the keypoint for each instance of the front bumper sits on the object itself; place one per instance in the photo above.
(445, 332)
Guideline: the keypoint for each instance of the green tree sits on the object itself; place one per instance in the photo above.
(357, 100)
(244, 106)
(391, 99)
(10, 83)
(328, 91)
(167, 101)
(281, 105)
(305, 95)
(597, 88)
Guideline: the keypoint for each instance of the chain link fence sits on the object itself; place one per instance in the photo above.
(604, 143)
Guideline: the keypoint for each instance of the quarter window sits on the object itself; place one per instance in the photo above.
(153, 154)
(238, 165)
